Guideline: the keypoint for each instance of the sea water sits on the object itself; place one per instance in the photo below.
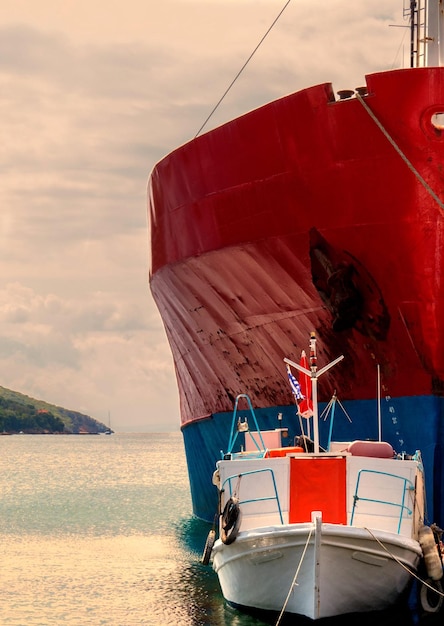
(98, 530)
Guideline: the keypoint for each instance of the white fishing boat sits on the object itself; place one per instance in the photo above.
(317, 533)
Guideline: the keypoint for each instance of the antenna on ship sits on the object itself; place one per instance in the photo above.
(426, 24)
(314, 374)
(432, 31)
(426, 32)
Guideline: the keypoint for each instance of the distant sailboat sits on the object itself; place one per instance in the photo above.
(109, 431)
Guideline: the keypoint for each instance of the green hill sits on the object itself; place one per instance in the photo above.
(20, 413)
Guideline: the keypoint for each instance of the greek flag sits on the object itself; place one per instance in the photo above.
(295, 386)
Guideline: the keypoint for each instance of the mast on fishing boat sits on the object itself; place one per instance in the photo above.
(314, 374)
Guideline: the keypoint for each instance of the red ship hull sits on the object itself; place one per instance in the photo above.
(306, 214)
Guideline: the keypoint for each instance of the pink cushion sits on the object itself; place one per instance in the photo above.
(378, 449)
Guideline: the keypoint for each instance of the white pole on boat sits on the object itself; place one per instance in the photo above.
(314, 390)
(314, 374)
(379, 404)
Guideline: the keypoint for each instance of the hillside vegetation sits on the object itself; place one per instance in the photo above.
(20, 413)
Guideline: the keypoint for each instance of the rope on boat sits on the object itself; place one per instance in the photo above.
(242, 69)
(395, 558)
(400, 152)
(293, 583)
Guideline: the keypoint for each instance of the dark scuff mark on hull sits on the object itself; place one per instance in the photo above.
(347, 289)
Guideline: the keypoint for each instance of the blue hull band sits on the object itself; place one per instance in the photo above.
(408, 424)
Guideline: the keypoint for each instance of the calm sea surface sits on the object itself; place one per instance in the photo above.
(98, 530)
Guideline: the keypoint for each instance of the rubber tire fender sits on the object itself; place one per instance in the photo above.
(230, 521)
(431, 602)
(208, 547)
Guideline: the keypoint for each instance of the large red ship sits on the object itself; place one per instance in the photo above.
(314, 212)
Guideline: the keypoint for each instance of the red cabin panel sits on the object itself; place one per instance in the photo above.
(318, 484)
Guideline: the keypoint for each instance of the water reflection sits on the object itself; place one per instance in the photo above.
(99, 531)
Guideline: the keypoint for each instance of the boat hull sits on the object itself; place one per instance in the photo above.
(316, 572)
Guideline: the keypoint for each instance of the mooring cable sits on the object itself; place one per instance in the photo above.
(409, 164)
(242, 69)
(395, 558)
(293, 583)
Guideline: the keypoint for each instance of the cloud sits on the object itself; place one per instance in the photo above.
(96, 356)
(93, 94)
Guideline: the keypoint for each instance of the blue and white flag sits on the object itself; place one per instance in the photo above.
(295, 386)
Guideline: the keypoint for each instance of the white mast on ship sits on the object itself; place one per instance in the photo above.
(426, 32)
(314, 374)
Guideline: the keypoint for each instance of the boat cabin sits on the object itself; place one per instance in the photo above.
(360, 483)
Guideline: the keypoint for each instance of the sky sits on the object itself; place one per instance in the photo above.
(93, 94)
